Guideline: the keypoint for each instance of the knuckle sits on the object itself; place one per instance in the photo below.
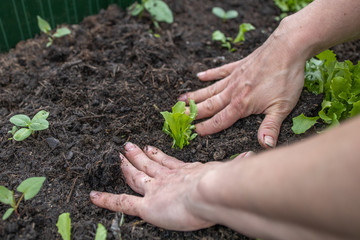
(211, 90)
(209, 104)
(217, 121)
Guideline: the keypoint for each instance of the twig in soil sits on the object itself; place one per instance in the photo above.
(71, 190)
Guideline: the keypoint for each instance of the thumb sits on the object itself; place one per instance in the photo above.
(269, 130)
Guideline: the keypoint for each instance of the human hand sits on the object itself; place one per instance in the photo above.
(168, 187)
(269, 81)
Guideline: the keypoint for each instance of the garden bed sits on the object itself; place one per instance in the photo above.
(104, 85)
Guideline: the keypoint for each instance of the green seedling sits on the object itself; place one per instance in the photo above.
(29, 188)
(287, 6)
(227, 42)
(158, 9)
(219, 12)
(101, 232)
(64, 228)
(24, 127)
(178, 124)
(340, 84)
(45, 27)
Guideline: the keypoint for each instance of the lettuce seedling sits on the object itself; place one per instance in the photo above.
(339, 82)
(45, 27)
(158, 9)
(228, 41)
(287, 6)
(219, 12)
(27, 126)
(29, 188)
(178, 124)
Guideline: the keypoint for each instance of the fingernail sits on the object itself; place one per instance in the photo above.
(94, 194)
(121, 156)
(147, 148)
(269, 141)
(200, 74)
(129, 146)
(182, 98)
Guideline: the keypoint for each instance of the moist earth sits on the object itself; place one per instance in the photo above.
(106, 84)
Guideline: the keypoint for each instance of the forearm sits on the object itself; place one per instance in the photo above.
(303, 191)
(319, 26)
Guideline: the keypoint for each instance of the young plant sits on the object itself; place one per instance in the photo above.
(64, 226)
(101, 232)
(158, 9)
(29, 188)
(178, 124)
(219, 12)
(339, 82)
(45, 27)
(227, 42)
(287, 6)
(24, 127)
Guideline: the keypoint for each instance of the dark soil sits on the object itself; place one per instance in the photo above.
(106, 84)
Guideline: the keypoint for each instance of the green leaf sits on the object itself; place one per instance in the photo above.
(101, 232)
(291, 5)
(44, 26)
(61, 32)
(64, 226)
(159, 10)
(231, 14)
(39, 124)
(302, 123)
(218, 36)
(41, 115)
(243, 28)
(219, 12)
(179, 107)
(22, 134)
(327, 57)
(20, 120)
(136, 9)
(193, 109)
(7, 213)
(355, 109)
(13, 130)
(50, 42)
(31, 186)
(6, 196)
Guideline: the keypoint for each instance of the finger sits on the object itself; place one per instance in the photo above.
(217, 73)
(212, 105)
(245, 155)
(222, 120)
(163, 159)
(139, 159)
(204, 93)
(269, 130)
(137, 180)
(125, 203)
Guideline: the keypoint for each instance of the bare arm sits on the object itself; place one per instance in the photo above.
(269, 81)
(305, 191)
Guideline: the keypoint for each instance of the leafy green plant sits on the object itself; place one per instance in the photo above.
(24, 127)
(227, 42)
(178, 124)
(29, 188)
(224, 15)
(45, 27)
(287, 6)
(64, 226)
(340, 84)
(158, 9)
